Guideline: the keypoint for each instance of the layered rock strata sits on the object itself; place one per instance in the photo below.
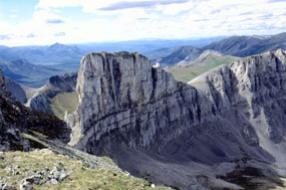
(128, 108)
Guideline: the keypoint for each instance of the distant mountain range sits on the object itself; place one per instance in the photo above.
(43, 55)
(34, 65)
(67, 54)
(184, 53)
(248, 45)
(240, 46)
(26, 73)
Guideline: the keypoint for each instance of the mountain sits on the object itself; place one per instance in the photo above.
(187, 70)
(248, 45)
(57, 97)
(146, 46)
(59, 48)
(70, 55)
(16, 119)
(205, 57)
(43, 55)
(33, 65)
(26, 73)
(34, 155)
(156, 55)
(240, 46)
(226, 124)
(57, 59)
(61, 58)
(176, 55)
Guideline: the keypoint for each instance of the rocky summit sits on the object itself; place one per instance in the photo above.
(228, 121)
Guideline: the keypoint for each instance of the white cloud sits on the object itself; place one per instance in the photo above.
(195, 18)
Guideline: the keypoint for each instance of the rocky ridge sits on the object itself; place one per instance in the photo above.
(41, 101)
(248, 45)
(139, 114)
(178, 55)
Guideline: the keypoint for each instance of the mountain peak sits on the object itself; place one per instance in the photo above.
(63, 48)
(57, 44)
(207, 53)
(280, 51)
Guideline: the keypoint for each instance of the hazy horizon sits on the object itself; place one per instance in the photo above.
(45, 22)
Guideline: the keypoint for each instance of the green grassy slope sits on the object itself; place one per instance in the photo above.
(64, 102)
(186, 73)
(80, 177)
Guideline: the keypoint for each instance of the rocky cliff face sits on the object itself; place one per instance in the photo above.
(154, 126)
(15, 119)
(66, 83)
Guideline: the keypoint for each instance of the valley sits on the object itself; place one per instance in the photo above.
(124, 121)
(142, 95)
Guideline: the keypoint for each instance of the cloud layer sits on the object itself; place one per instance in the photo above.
(139, 4)
(73, 21)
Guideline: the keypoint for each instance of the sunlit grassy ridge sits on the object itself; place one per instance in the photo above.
(64, 102)
(185, 73)
(80, 177)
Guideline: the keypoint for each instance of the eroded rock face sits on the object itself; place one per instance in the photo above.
(231, 113)
(66, 83)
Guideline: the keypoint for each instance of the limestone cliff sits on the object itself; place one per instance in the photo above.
(151, 124)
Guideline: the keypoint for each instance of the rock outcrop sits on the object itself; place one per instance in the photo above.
(154, 126)
(66, 83)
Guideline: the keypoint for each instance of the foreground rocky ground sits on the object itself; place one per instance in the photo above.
(43, 169)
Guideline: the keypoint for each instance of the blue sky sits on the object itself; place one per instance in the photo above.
(28, 22)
